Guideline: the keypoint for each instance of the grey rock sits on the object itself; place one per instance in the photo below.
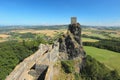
(71, 42)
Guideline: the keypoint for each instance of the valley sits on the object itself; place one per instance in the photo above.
(91, 38)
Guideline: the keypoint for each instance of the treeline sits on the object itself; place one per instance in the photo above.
(112, 45)
(94, 70)
(13, 52)
(51, 27)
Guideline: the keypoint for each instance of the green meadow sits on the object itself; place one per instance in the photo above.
(109, 58)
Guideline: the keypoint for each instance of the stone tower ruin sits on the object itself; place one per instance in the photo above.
(73, 20)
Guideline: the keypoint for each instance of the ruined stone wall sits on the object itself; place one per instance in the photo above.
(53, 58)
(26, 64)
(45, 52)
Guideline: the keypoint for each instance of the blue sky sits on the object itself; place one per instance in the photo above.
(49, 12)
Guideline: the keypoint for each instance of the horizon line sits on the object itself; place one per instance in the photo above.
(56, 25)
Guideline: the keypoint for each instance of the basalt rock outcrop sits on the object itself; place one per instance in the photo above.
(71, 43)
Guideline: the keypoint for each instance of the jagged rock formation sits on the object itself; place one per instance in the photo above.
(71, 53)
(71, 43)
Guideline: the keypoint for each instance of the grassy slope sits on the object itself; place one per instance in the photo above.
(59, 73)
(109, 58)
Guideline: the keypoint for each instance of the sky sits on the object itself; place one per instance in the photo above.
(52, 12)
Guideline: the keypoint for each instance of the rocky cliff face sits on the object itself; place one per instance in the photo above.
(71, 43)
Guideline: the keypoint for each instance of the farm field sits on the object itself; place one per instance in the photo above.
(4, 36)
(89, 40)
(109, 58)
(102, 34)
(47, 32)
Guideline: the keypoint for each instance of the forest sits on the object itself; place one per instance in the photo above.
(14, 51)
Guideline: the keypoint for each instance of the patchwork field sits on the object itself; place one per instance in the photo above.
(90, 32)
(47, 32)
(103, 34)
(109, 58)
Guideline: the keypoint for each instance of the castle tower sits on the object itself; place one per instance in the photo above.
(73, 20)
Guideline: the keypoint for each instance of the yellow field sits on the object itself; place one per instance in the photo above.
(4, 36)
(47, 32)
